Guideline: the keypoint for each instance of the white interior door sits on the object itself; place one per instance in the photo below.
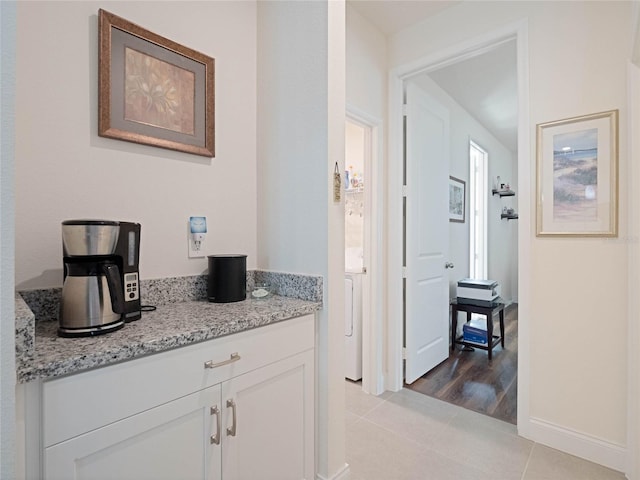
(426, 234)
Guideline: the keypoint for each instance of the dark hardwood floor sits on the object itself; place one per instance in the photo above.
(470, 380)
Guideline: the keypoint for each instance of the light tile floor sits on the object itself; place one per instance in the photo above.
(410, 436)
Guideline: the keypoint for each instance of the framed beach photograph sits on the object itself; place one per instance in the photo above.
(578, 176)
(153, 90)
(456, 199)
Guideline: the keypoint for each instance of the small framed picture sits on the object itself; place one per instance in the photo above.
(456, 199)
(577, 177)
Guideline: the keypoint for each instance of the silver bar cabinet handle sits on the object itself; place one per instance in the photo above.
(233, 358)
(215, 439)
(231, 431)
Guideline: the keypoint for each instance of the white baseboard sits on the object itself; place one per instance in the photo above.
(581, 445)
(342, 474)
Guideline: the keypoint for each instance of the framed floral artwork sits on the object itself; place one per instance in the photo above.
(153, 90)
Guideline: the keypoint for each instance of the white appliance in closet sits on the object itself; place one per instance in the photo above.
(353, 325)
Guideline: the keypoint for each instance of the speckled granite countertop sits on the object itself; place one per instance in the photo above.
(25, 319)
(174, 324)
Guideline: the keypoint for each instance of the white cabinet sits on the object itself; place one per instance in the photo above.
(167, 442)
(273, 423)
(168, 416)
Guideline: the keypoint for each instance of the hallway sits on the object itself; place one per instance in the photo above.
(469, 380)
(410, 436)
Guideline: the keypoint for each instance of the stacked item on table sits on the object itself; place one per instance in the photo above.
(483, 293)
(475, 331)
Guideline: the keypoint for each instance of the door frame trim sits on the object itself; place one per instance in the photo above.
(633, 397)
(373, 381)
(526, 175)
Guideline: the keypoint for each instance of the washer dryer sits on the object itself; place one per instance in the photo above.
(353, 325)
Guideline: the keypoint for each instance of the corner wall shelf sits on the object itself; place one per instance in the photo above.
(503, 193)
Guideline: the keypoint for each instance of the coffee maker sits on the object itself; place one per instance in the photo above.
(101, 289)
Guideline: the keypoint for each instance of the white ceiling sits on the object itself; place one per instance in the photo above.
(391, 16)
(485, 85)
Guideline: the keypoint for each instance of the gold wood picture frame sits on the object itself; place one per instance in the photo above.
(577, 176)
(153, 90)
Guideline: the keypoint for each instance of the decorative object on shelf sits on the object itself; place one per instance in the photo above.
(508, 213)
(153, 90)
(578, 176)
(502, 189)
(354, 180)
(456, 199)
(503, 193)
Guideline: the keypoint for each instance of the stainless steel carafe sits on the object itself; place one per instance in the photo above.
(91, 298)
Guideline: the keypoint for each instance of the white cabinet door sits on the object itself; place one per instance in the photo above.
(274, 422)
(171, 441)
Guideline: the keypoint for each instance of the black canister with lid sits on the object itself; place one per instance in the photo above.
(227, 278)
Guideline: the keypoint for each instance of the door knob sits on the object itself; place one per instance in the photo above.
(448, 265)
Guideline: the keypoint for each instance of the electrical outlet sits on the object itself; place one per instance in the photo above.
(197, 232)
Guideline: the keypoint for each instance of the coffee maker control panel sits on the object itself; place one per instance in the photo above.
(131, 290)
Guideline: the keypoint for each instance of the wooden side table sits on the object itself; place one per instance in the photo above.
(488, 312)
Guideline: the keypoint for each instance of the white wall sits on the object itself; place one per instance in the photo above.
(7, 207)
(64, 170)
(502, 242)
(577, 376)
(366, 66)
(292, 130)
(301, 105)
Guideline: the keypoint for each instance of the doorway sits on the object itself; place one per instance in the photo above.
(356, 223)
(516, 34)
(364, 255)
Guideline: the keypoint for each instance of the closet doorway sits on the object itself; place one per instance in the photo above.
(364, 262)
